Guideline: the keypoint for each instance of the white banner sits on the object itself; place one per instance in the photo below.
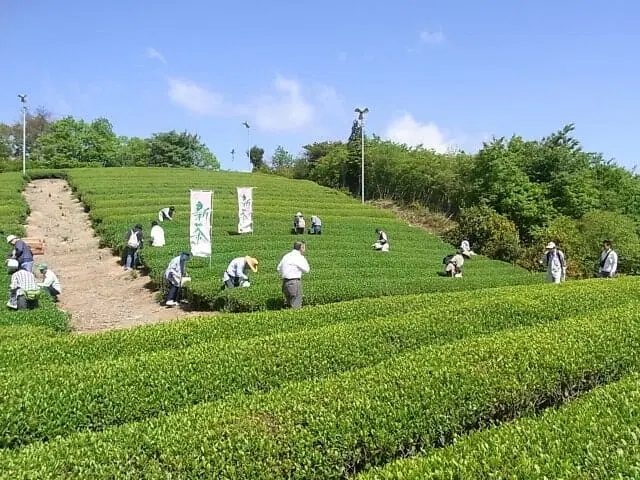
(200, 223)
(245, 209)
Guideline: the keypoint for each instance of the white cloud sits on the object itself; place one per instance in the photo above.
(432, 38)
(405, 129)
(154, 54)
(287, 105)
(195, 98)
(286, 109)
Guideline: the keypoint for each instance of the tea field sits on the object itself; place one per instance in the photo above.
(435, 378)
(343, 265)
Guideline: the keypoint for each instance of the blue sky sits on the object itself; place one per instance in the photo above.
(446, 74)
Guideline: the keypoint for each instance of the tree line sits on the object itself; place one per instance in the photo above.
(71, 142)
(508, 198)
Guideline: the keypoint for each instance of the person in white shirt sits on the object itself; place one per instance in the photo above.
(236, 273)
(555, 262)
(299, 224)
(316, 226)
(50, 282)
(157, 235)
(291, 268)
(166, 214)
(465, 246)
(608, 260)
(454, 265)
(382, 245)
(175, 276)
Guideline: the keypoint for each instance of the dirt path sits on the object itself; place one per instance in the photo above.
(97, 292)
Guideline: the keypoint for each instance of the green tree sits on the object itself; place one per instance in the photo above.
(132, 151)
(488, 232)
(281, 159)
(173, 149)
(256, 157)
(69, 142)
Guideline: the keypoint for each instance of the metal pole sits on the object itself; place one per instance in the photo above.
(24, 140)
(362, 145)
(248, 145)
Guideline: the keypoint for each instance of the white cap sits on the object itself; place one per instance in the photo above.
(298, 214)
(11, 238)
(550, 245)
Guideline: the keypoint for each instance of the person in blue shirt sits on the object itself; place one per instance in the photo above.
(21, 252)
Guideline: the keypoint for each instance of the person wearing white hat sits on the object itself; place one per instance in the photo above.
(555, 262)
(23, 289)
(21, 252)
(299, 224)
(236, 273)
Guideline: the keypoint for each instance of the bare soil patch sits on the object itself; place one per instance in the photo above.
(96, 291)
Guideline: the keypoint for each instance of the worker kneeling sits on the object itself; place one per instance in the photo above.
(236, 273)
(453, 264)
(23, 289)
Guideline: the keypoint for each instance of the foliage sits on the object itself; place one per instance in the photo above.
(581, 240)
(355, 342)
(173, 149)
(256, 157)
(340, 425)
(11, 134)
(281, 159)
(489, 233)
(529, 182)
(593, 437)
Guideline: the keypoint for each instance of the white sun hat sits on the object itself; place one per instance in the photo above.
(550, 245)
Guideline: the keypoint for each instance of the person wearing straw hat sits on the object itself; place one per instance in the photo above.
(236, 273)
(50, 282)
(299, 224)
(21, 252)
(555, 263)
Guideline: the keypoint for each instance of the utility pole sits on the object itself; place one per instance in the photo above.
(23, 100)
(246, 124)
(361, 113)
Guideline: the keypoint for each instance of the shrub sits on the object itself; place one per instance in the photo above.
(489, 233)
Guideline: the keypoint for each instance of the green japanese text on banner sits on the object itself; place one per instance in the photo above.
(200, 223)
(245, 209)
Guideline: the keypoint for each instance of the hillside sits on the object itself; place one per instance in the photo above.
(330, 391)
(343, 264)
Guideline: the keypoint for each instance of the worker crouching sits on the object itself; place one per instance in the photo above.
(236, 273)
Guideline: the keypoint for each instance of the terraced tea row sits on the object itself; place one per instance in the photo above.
(63, 396)
(349, 422)
(342, 261)
(593, 437)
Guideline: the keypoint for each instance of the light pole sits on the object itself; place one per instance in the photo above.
(361, 113)
(246, 124)
(23, 100)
